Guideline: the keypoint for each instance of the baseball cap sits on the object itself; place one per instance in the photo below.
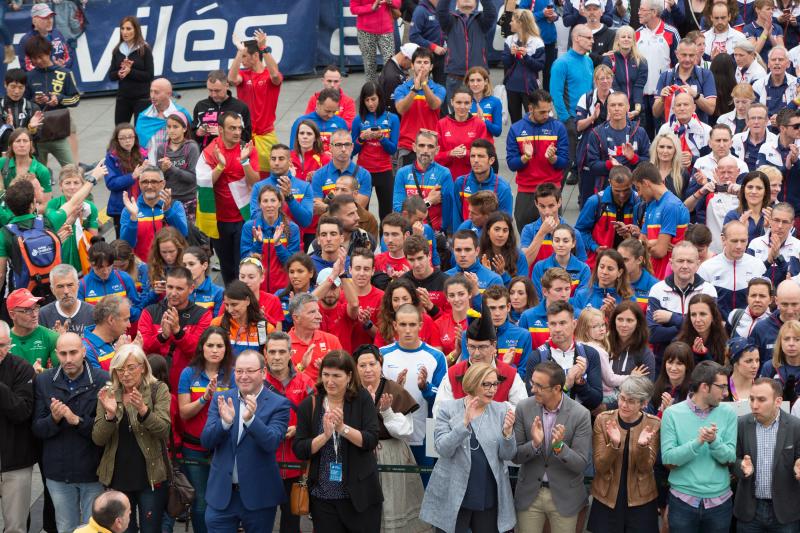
(41, 10)
(324, 274)
(22, 298)
(595, 3)
(408, 49)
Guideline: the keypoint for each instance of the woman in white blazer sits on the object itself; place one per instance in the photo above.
(470, 488)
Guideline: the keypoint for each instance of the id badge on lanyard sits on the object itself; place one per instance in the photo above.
(335, 472)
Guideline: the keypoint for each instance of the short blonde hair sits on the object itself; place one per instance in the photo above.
(790, 326)
(603, 69)
(121, 357)
(475, 375)
(744, 91)
(770, 171)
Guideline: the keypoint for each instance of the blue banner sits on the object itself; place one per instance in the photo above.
(192, 37)
(189, 38)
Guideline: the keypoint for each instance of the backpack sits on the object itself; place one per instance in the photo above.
(34, 253)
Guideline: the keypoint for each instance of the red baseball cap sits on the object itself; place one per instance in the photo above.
(22, 298)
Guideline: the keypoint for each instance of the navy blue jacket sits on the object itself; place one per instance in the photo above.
(467, 36)
(590, 393)
(425, 29)
(605, 142)
(522, 73)
(68, 453)
(629, 78)
(764, 334)
(253, 453)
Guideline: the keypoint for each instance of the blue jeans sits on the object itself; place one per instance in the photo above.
(73, 503)
(147, 509)
(684, 518)
(198, 477)
(765, 521)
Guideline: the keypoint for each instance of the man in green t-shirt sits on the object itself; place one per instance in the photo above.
(34, 343)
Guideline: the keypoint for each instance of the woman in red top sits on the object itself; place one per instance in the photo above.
(308, 156)
(210, 371)
(401, 291)
(457, 132)
(452, 324)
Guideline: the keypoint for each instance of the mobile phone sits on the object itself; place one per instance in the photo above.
(374, 128)
(721, 187)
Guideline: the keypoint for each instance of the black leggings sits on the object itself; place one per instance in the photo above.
(127, 107)
(289, 523)
(517, 105)
(228, 250)
(383, 183)
(550, 55)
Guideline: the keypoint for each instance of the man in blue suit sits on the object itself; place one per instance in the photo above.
(244, 428)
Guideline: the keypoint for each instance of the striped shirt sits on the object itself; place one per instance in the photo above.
(766, 437)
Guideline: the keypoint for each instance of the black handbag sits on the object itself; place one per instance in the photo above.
(56, 125)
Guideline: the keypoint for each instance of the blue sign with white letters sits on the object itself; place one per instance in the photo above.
(189, 38)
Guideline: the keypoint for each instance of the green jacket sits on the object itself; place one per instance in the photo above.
(150, 434)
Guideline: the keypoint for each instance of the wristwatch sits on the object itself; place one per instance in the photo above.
(346, 430)
(91, 179)
(427, 204)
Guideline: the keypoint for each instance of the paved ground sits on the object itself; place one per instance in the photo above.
(95, 123)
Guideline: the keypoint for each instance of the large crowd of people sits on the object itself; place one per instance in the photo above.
(462, 358)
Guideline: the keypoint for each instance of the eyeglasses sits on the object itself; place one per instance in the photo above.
(130, 369)
(479, 347)
(627, 401)
(27, 310)
(248, 371)
(539, 386)
(342, 145)
(488, 385)
(794, 126)
(720, 386)
(147, 183)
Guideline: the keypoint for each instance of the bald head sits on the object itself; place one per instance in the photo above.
(112, 510)
(734, 240)
(788, 298)
(582, 39)
(160, 93)
(71, 354)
